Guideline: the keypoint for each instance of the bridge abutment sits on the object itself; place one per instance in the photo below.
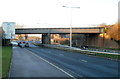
(93, 40)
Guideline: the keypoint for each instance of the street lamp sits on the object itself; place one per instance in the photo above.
(71, 23)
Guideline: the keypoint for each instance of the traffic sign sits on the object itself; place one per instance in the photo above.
(9, 30)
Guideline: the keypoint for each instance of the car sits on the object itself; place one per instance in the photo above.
(14, 43)
(21, 44)
(84, 46)
(26, 44)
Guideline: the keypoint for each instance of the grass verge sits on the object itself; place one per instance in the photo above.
(0, 62)
(105, 55)
(6, 60)
(107, 48)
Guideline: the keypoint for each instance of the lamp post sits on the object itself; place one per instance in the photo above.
(71, 24)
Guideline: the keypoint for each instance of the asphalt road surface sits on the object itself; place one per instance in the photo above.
(26, 64)
(79, 65)
(47, 62)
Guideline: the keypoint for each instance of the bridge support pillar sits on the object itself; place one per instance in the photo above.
(46, 39)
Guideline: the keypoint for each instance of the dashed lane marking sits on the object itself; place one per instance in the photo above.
(84, 61)
(61, 54)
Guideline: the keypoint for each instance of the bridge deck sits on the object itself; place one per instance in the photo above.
(57, 30)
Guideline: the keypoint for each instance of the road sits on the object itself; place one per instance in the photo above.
(26, 64)
(47, 62)
(79, 65)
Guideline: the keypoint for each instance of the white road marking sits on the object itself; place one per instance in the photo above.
(61, 54)
(84, 60)
(15, 47)
(54, 66)
(49, 51)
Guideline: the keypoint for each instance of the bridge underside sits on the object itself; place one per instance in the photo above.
(88, 38)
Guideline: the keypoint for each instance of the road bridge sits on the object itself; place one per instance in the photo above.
(58, 30)
(47, 31)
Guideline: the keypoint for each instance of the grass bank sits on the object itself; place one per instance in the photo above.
(107, 48)
(105, 55)
(0, 62)
(6, 60)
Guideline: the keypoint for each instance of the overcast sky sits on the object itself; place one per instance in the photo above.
(50, 13)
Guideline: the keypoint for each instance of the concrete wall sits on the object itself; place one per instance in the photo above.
(79, 39)
(94, 40)
(97, 41)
